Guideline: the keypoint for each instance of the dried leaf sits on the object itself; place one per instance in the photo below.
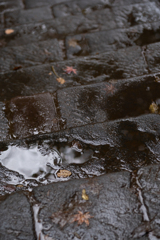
(153, 107)
(81, 217)
(109, 88)
(9, 31)
(20, 186)
(84, 195)
(68, 70)
(63, 173)
(72, 42)
(60, 80)
(50, 73)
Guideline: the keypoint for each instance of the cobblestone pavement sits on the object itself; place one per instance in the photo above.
(80, 123)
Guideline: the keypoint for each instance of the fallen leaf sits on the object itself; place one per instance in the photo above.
(16, 68)
(84, 195)
(72, 42)
(9, 31)
(50, 73)
(60, 80)
(20, 186)
(68, 70)
(109, 88)
(63, 173)
(81, 217)
(153, 107)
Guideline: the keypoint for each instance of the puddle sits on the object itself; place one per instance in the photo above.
(38, 224)
(40, 162)
(29, 162)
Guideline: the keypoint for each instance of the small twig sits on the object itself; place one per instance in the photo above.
(55, 72)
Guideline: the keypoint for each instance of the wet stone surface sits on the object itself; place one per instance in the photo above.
(107, 101)
(124, 63)
(111, 203)
(79, 114)
(17, 218)
(29, 55)
(32, 115)
(19, 17)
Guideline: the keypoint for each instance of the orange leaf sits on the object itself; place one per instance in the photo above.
(63, 173)
(9, 31)
(60, 80)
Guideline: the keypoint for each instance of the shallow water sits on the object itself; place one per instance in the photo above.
(41, 162)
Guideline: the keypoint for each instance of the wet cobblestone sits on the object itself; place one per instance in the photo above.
(98, 117)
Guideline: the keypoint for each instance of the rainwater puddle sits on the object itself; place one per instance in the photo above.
(42, 162)
(28, 162)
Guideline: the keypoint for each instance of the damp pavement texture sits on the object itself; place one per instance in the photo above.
(79, 119)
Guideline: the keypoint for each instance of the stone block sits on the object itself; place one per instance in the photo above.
(17, 218)
(20, 17)
(32, 115)
(109, 195)
(30, 55)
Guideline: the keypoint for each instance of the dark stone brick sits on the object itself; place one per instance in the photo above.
(6, 5)
(17, 218)
(32, 115)
(40, 3)
(28, 81)
(99, 20)
(79, 7)
(107, 101)
(123, 63)
(29, 55)
(20, 17)
(109, 195)
(92, 43)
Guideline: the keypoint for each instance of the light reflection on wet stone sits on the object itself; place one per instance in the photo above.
(32, 115)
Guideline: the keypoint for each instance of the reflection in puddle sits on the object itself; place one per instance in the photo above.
(37, 163)
(38, 224)
(28, 162)
(71, 155)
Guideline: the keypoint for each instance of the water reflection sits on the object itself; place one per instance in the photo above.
(36, 162)
(28, 162)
